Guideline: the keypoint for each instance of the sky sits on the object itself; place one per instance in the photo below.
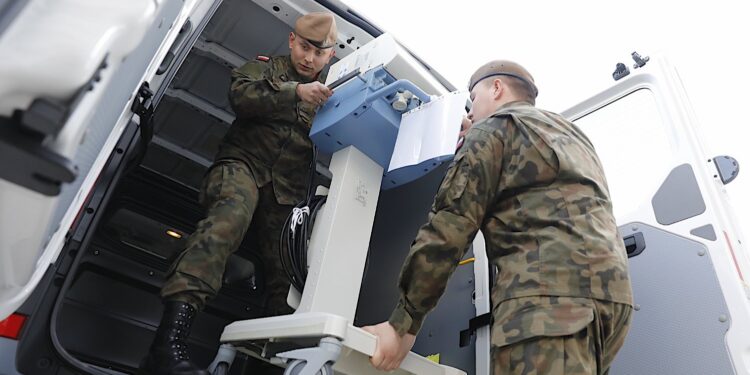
(571, 48)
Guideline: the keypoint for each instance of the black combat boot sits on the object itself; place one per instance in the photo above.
(168, 354)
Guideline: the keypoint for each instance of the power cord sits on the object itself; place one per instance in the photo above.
(296, 232)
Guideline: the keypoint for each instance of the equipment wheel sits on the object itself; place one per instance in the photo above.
(221, 369)
(296, 368)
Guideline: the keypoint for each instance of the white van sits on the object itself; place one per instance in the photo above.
(111, 112)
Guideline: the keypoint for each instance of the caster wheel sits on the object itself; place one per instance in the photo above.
(221, 369)
(296, 368)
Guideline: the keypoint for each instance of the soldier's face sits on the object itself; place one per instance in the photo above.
(484, 97)
(308, 60)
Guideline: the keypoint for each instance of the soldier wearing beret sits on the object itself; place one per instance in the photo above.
(532, 183)
(258, 175)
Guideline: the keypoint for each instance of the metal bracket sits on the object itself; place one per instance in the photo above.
(218, 53)
(143, 106)
(620, 72)
(639, 61)
(475, 323)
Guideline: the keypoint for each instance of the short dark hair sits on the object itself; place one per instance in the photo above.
(520, 88)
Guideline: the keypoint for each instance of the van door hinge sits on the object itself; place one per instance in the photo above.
(143, 105)
(640, 61)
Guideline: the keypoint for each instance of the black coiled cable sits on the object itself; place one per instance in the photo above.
(296, 232)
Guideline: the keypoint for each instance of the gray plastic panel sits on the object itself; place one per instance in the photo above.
(168, 163)
(186, 140)
(207, 79)
(97, 301)
(681, 316)
(247, 30)
(679, 197)
(8, 356)
(706, 231)
(401, 211)
(189, 128)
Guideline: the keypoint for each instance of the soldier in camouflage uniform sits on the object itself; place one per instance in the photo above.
(532, 183)
(260, 173)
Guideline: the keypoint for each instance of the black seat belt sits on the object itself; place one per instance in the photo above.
(474, 324)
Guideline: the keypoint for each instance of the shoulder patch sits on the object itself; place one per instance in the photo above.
(262, 58)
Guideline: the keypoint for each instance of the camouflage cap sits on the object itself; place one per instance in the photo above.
(319, 28)
(503, 68)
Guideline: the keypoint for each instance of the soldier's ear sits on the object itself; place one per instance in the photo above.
(291, 39)
(497, 88)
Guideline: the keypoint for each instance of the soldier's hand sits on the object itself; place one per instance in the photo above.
(314, 93)
(465, 126)
(390, 349)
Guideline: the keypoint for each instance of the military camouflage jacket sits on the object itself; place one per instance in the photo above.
(531, 181)
(271, 128)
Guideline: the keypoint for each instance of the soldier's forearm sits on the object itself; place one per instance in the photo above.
(258, 98)
(440, 245)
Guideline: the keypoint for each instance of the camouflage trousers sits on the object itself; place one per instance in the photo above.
(590, 351)
(234, 204)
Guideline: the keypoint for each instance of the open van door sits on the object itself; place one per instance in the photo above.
(74, 75)
(689, 271)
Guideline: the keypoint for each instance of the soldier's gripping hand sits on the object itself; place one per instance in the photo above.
(465, 125)
(314, 93)
(390, 348)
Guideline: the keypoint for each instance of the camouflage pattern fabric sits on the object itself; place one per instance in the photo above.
(230, 197)
(266, 228)
(270, 132)
(260, 174)
(232, 201)
(532, 182)
(588, 351)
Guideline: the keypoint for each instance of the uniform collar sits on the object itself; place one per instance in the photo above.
(514, 104)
